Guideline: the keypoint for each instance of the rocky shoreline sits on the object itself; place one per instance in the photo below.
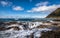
(40, 27)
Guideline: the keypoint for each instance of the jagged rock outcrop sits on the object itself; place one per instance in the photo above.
(51, 34)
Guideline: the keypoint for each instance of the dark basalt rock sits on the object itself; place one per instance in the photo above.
(2, 23)
(10, 23)
(54, 24)
(56, 20)
(51, 34)
(3, 28)
(16, 28)
(25, 27)
(32, 35)
(43, 26)
(13, 22)
(7, 23)
(20, 24)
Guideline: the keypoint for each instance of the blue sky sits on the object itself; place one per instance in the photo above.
(27, 8)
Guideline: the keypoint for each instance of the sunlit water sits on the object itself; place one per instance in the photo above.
(11, 33)
(23, 33)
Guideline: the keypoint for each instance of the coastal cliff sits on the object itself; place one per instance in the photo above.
(54, 14)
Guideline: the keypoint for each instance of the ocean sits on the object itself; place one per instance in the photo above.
(24, 19)
(25, 28)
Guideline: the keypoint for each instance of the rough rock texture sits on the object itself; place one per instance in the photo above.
(51, 34)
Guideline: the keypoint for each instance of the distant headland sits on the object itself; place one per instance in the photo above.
(55, 14)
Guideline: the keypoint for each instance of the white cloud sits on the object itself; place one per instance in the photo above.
(5, 3)
(18, 8)
(38, 16)
(42, 3)
(42, 7)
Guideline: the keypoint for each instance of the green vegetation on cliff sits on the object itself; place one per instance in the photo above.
(55, 14)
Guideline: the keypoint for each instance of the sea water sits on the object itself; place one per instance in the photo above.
(28, 33)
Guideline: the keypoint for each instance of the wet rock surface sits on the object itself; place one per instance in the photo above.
(51, 34)
(28, 29)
